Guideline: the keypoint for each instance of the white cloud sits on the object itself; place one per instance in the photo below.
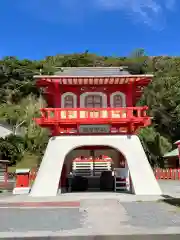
(151, 12)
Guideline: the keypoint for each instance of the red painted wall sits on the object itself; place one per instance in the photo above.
(55, 91)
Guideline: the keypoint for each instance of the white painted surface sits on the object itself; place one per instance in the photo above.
(47, 180)
(22, 170)
(86, 153)
(21, 190)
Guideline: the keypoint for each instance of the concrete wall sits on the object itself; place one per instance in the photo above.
(47, 180)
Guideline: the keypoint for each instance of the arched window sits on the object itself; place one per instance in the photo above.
(118, 100)
(68, 100)
(93, 101)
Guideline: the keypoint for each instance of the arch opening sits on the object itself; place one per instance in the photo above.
(94, 168)
(48, 177)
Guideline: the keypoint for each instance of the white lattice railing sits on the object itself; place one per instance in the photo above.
(90, 168)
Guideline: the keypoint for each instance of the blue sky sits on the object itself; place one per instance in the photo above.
(38, 28)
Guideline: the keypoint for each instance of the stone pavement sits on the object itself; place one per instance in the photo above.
(47, 236)
(74, 198)
(169, 188)
(98, 214)
(93, 217)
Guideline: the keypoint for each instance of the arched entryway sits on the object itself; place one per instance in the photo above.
(94, 166)
(47, 180)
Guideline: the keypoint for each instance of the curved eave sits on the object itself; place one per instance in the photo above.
(57, 76)
(43, 80)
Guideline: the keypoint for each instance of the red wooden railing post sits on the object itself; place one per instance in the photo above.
(178, 173)
(116, 117)
(167, 174)
(155, 173)
(174, 174)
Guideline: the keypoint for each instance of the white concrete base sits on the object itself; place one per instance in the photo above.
(61, 190)
(47, 181)
(21, 190)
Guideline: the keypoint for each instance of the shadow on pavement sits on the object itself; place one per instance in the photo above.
(171, 200)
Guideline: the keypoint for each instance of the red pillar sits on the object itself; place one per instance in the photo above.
(56, 104)
(57, 95)
(178, 145)
(6, 175)
(129, 95)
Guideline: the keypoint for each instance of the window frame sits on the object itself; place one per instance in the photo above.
(84, 95)
(63, 99)
(93, 101)
(123, 99)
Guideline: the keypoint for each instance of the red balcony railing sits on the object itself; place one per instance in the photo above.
(50, 116)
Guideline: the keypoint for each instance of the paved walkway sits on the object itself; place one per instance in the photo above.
(169, 188)
(93, 217)
(92, 214)
(74, 198)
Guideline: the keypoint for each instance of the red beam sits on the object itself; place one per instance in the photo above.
(140, 80)
(131, 118)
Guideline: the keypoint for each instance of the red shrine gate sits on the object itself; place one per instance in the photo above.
(78, 100)
(93, 106)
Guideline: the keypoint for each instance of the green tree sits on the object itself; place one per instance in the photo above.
(154, 145)
(20, 99)
(12, 147)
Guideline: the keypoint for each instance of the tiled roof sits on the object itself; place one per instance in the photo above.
(92, 71)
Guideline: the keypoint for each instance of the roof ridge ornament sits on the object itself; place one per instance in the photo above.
(121, 68)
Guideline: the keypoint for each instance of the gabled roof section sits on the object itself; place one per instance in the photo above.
(92, 71)
(5, 130)
(173, 153)
(94, 76)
